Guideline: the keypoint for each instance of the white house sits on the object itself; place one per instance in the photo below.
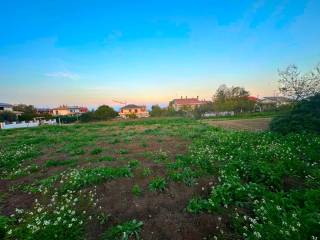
(68, 110)
(276, 101)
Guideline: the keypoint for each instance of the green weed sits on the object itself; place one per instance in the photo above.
(124, 231)
(136, 190)
(158, 184)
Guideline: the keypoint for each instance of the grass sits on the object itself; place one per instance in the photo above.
(78, 179)
(96, 151)
(265, 185)
(106, 159)
(136, 190)
(55, 163)
(146, 172)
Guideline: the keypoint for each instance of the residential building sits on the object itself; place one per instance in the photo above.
(6, 107)
(133, 110)
(186, 103)
(44, 111)
(277, 101)
(68, 110)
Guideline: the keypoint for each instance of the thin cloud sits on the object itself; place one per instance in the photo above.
(64, 75)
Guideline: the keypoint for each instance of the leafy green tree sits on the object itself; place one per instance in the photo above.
(29, 112)
(105, 112)
(27, 109)
(232, 99)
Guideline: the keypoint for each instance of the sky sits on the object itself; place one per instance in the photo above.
(149, 52)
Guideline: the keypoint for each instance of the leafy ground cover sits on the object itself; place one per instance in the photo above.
(158, 179)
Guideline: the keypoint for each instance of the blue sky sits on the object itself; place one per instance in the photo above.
(147, 52)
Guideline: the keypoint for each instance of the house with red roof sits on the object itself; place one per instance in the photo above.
(187, 103)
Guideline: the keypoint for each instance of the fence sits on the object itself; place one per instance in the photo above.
(218, 114)
(24, 124)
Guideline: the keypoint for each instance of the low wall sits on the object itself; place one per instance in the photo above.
(27, 124)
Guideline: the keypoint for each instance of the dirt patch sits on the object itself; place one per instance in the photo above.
(257, 124)
(163, 214)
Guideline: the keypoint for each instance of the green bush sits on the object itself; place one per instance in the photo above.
(103, 113)
(305, 117)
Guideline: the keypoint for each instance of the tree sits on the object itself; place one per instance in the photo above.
(156, 111)
(200, 110)
(232, 99)
(27, 109)
(28, 112)
(7, 116)
(105, 112)
(299, 86)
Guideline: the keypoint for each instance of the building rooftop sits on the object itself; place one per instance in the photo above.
(132, 106)
(188, 101)
(6, 105)
(283, 99)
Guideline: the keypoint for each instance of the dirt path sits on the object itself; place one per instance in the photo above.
(257, 124)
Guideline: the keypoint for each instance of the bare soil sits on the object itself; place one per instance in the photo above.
(257, 124)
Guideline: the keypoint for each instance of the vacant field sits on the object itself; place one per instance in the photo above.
(157, 179)
(255, 124)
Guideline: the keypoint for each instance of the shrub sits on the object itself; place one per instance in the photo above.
(305, 117)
